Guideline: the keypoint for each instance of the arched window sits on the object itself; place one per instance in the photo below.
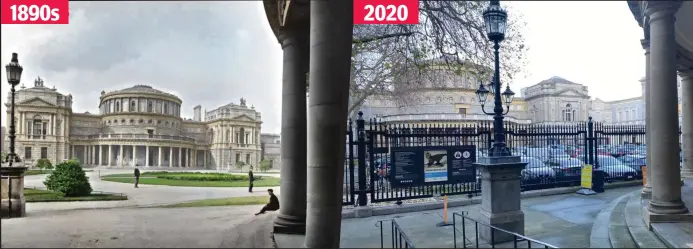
(133, 106)
(568, 113)
(108, 109)
(117, 106)
(149, 106)
(38, 128)
(165, 108)
(241, 138)
(228, 136)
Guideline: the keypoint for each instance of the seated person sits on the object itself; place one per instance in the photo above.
(273, 204)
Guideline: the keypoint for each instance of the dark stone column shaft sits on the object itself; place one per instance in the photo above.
(666, 187)
(330, 67)
(292, 215)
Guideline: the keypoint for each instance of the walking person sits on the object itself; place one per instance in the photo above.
(137, 176)
(273, 204)
(251, 178)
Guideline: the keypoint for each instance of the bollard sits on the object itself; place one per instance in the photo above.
(445, 213)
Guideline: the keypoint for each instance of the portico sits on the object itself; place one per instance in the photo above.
(668, 44)
(316, 37)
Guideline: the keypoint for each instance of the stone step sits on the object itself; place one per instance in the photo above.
(619, 235)
(641, 234)
(599, 236)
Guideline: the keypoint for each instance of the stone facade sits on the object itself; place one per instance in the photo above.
(136, 126)
(554, 100)
(271, 148)
(450, 100)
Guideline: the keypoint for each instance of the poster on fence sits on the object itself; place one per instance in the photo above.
(586, 177)
(414, 166)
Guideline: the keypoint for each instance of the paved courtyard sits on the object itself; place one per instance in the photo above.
(207, 227)
(145, 195)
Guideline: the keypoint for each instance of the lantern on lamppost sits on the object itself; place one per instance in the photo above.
(495, 20)
(14, 76)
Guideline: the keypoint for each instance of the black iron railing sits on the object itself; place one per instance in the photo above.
(398, 238)
(556, 154)
(516, 238)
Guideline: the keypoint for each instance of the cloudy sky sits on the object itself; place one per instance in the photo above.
(214, 53)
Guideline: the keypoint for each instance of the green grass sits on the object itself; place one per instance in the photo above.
(232, 201)
(38, 195)
(149, 178)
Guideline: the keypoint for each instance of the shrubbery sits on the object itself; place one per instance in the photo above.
(44, 163)
(206, 177)
(69, 178)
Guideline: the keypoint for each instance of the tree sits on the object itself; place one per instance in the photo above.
(3, 156)
(43, 163)
(389, 60)
(239, 165)
(265, 165)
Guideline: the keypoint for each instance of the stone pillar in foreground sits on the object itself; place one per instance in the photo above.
(331, 32)
(687, 112)
(647, 189)
(500, 197)
(666, 175)
(12, 192)
(160, 156)
(292, 214)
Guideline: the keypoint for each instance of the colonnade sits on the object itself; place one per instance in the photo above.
(663, 187)
(139, 155)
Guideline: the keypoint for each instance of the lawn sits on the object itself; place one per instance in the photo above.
(156, 178)
(38, 195)
(232, 201)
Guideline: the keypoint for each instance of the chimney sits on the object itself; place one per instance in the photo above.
(197, 113)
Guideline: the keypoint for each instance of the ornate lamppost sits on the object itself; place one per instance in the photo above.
(13, 203)
(495, 20)
(14, 75)
(500, 170)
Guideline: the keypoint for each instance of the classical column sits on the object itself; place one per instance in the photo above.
(146, 156)
(110, 154)
(72, 151)
(331, 31)
(120, 154)
(170, 157)
(134, 155)
(687, 112)
(93, 155)
(204, 159)
(160, 155)
(292, 214)
(100, 155)
(647, 189)
(180, 157)
(666, 186)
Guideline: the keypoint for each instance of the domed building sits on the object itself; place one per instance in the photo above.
(135, 126)
(446, 98)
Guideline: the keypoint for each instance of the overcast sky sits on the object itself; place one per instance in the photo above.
(214, 53)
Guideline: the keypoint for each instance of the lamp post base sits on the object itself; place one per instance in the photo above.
(500, 198)
(12, 192)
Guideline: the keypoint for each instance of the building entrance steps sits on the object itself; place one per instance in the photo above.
(621, 225)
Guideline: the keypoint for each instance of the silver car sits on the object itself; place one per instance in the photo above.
(536, 169)
(614, 168)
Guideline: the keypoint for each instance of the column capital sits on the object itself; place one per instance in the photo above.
(686, 74)
(645, 45)
(298, 32)
(660, 9)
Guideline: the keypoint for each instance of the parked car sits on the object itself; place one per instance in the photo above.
(536, 170)
(613, 168)
(634, 161)
(565, 167)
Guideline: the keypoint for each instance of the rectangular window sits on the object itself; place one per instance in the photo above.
(27, 153)
(247, 158)
(44, 152)
(238, 157)
(462, 110)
